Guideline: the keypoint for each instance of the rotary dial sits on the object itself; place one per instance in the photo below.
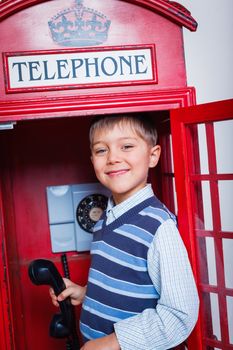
(90, 210)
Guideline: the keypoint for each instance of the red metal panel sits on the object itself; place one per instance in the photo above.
(7, 339)
(96, 104)
(217, 229)
(170, 9)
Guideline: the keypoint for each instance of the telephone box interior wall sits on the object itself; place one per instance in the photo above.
(49, 142)
(34, 155)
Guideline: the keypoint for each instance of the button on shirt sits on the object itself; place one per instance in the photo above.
(175, 315)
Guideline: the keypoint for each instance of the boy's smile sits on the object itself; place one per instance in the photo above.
(121, 159)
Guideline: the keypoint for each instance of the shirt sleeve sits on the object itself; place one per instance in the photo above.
(176, 313)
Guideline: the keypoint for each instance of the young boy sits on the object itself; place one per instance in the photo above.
(141, 293)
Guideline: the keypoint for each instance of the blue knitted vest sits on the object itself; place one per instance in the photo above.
(119, 285)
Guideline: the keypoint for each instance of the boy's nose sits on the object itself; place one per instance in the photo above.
(113, 156)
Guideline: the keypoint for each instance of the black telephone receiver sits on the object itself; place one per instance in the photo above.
(44, 272)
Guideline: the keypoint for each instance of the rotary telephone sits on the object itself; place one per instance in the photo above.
(63, 325)
(73, 210)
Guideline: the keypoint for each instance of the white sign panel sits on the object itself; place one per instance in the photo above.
(80, 68)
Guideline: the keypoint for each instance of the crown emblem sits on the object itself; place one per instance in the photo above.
(79, 26)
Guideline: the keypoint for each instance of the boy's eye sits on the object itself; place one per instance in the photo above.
(127, 147)
(100, 151)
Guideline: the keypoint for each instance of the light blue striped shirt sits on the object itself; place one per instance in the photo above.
(169, 268)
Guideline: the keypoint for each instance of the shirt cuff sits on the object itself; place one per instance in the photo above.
(127, 339)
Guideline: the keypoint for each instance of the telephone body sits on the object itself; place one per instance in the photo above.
(73, 210)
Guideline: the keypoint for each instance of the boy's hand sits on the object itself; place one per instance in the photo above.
(109, 342)
(74, 291)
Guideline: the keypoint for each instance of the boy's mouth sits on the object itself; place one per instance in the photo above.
(117, 172)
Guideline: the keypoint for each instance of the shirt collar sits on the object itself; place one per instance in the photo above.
(117, 210)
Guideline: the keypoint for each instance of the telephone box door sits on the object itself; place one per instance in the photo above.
(203, 162)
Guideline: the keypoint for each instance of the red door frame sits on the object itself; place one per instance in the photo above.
(183, 165)
(165, 100)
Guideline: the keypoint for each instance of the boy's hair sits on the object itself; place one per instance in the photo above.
(141, 123)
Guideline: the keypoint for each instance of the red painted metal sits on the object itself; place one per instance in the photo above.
(166, 35)
(49, 143)
(217, 229)
(6, 317)
(170, 9)
(187, 178)
(96, 104)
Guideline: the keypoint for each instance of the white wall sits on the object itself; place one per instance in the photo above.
(209, 50)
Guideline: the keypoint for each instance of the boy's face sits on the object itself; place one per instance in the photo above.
(121, 160)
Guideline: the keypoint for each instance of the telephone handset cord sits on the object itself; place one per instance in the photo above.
(73, 343)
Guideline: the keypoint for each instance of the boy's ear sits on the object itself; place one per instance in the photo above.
(154, 156)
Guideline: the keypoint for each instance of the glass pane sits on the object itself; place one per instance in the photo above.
(207, 208)
(230, 317)
(203, 149)
(215, 316)
(202, 260)
(228, 261)
(202, 204)
(211, 260)
(175, 197)
(225, 197)
(211, 316)
(207, 260)
(171, 150)
(224, 146)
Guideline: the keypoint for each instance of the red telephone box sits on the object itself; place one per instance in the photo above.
(63, 62)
